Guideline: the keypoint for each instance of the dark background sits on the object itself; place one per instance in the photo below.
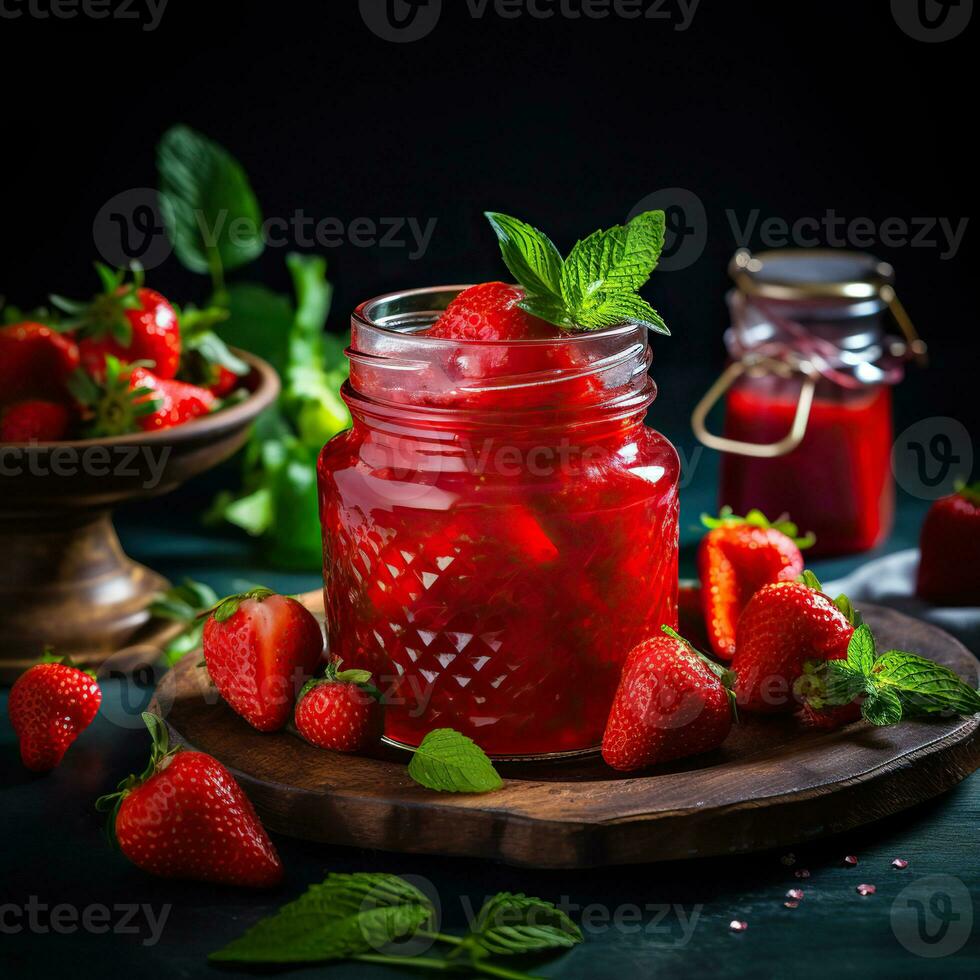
(793, 109)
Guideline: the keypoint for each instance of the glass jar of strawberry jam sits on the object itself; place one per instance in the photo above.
(808, 410)
(499, 526)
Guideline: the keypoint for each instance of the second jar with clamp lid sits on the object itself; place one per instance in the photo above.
(808, 409)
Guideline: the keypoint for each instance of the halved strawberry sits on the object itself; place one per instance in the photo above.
(736, 558)
(260, 649)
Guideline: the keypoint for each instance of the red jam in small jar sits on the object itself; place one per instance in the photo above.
(499, 526)
(808, 412)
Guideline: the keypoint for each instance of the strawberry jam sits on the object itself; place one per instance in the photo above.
(499, 525)
(837, 483)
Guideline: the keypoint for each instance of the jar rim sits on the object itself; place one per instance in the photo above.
(393, 364)
(365, 316)
(770, 274)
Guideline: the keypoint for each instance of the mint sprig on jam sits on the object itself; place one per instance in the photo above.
(597, 285)
(359, 916)
(894, 685)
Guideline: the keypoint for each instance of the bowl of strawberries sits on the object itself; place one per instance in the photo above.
(117, 398)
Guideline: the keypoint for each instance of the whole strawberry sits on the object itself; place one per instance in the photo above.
(340, 711)
(783, 626)
(490, 312)
(949, 564)
(671, 702)
(127, 321)
(186, 817)
(35, 362)
(50, 705)
(35, 420)
(129, 398)
(260, 649)
(736, 558)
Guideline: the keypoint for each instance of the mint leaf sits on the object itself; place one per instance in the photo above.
(510, 924)
(548, 308)
(836, 682)
(347, 915)
(619, 259)
(882, 707)
(207, 203)
(924, 686)
(529, 254)
(452, 763)
(861, 650)
(810, 580)
(596, 286)
(616, 308)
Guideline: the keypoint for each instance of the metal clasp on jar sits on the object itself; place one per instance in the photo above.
(757, 366)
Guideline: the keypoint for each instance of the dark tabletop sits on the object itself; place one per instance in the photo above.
(70, 904)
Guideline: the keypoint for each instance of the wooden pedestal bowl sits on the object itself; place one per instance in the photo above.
(64, 578)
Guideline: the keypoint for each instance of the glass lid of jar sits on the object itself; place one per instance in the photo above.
(857, 284)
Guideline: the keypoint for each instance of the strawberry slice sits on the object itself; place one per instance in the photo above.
(736, 558)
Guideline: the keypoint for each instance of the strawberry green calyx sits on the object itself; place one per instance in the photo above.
(755, 518)
(160, 751)
(227, 607)
(333, 675)
(970, 492)
(105, 315)
(842, 602)
(724, 674)
(50, 657)
(597, 285)
(114, 406)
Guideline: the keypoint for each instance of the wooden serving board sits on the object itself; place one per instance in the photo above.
(771, 784)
